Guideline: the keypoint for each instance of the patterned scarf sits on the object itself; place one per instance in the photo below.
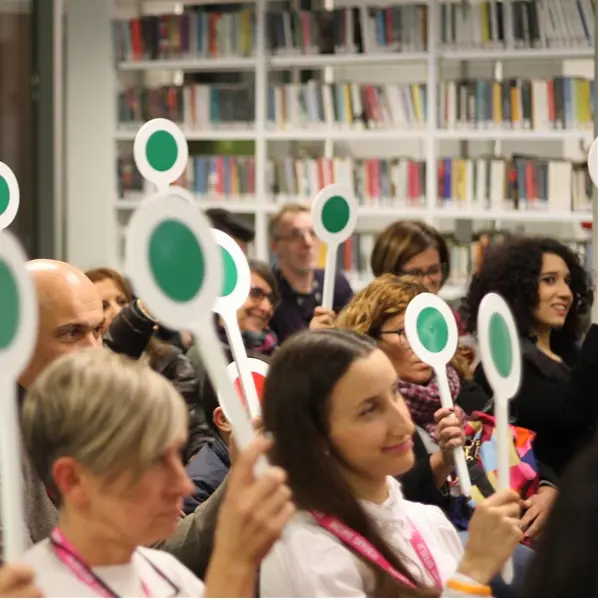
(263, 342)
(424, 400)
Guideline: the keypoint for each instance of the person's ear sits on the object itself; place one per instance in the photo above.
(70, 480)
(220, 420)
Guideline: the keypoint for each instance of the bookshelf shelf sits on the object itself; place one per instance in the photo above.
(384, 210)
(190, 65)
(507, 55)
(321, 61)
(128, 134)
(560, 135)
(372, 135)
(421, 98)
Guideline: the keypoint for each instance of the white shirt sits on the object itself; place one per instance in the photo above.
(310, 562)
(57, 580)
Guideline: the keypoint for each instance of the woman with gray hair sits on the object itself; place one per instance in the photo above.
(105, 435)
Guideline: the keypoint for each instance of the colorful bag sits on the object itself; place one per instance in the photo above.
(480, 452)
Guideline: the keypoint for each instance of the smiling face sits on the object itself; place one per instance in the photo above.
(366, 405)
(555, 295)
(392, 340)
(256, 312)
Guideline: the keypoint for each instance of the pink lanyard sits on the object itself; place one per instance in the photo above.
(365, 548)
(70, 557)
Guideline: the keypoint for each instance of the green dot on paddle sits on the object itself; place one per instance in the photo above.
(176, 261)
(335, 214)
(432, 329)
(4, 195)
(230, 274)
(11, 311)
(161, 151)
(501, 348)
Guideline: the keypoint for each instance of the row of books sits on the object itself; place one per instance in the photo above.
(530, 104)
(198, 31)
(517, 24)
(558, 103)
(211, 32)
(538, 104)
(523, 183)
(349, 30)
(196, 106)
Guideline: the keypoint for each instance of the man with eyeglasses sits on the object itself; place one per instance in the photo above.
(294, 246)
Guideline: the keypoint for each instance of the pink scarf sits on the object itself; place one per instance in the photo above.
(424, 400)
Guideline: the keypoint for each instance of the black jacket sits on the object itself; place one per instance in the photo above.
(561, 407)
(129, 334)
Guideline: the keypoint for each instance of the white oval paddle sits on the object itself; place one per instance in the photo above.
(334, 214)
(432, 333)
(500, 352)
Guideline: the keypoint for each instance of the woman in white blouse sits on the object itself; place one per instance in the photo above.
(105, 435)
(341, 431)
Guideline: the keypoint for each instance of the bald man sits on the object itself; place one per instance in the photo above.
(71, 314)
(70, 318)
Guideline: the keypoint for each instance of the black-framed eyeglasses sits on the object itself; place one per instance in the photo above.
(400, 331)
(258, 294)
(431, 271)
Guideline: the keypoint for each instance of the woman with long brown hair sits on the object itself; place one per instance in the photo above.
(341, 431)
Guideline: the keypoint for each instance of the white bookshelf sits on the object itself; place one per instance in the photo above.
(428, 141)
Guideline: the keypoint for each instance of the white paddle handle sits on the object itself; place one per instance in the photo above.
(460, 462)
(502, 460)
(216, 367)
(13, 520)
(236, 343)
(329, 277)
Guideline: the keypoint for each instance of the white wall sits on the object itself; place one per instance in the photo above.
(90, 170)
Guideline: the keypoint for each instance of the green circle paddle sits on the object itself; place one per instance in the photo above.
(432, 333)
(18, 334)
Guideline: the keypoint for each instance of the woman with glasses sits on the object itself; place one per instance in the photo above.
(416, 249)
(378, 311)
(105, 434)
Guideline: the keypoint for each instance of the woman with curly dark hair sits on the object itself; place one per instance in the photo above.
(550, 294)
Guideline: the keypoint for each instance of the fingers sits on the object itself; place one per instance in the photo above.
(501, 498)
(16, 581)
(442, 413)
(242, 472)
(263, 490)
(257, 424)
(273, 512)
(529, 517)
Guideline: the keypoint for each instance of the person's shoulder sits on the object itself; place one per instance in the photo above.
(175, 570)
(40, 557)
(308, 561)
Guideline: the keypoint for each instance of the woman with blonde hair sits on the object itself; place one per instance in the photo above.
(378, 311)
(105, 435)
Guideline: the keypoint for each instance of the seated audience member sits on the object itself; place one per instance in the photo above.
(18, 581)
(341, 431)
(378, 311)
(70, 319)
(166, 359)
(115, 470)
(208, 469)
(253, 317)
(566, 561)
(294, 244)
(233, 225)
(414, 249)
(549, 293)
